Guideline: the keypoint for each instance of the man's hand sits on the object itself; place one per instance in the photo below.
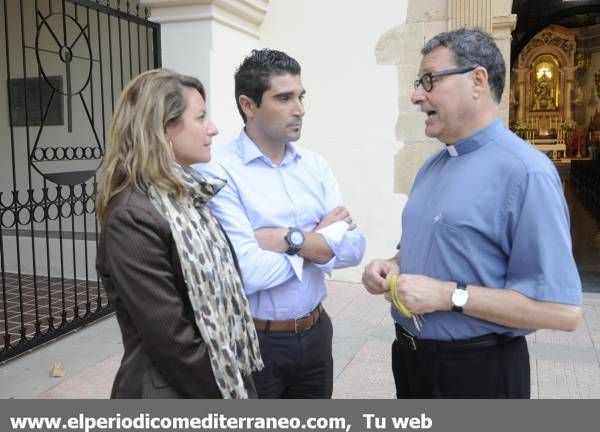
(337, 214)
(375, 274)
(422, 294)
(272, 239)
(503, 306)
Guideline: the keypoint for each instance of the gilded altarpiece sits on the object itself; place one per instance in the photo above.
(542, 84)
(545, 82)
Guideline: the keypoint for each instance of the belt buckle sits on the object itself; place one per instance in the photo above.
(298, 320)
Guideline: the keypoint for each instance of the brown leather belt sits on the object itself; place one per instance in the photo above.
(297, 325)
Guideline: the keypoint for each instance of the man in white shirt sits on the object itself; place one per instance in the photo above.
(283, 211)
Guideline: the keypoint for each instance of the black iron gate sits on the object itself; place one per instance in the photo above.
(65, 63)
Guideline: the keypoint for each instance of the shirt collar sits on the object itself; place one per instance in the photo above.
(475, 141)
(250, 151)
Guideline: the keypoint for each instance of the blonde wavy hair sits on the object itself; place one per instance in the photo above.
(139, 152)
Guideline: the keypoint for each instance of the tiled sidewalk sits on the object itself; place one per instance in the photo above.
(564, 365)
(42, 298)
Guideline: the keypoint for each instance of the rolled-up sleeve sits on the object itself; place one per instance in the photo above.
(348, 246)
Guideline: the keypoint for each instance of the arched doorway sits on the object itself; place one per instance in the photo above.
(555, 106)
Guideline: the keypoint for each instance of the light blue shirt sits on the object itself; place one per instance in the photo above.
(488, 211)
(259, 194)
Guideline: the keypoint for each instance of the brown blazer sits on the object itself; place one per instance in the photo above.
(165, 356)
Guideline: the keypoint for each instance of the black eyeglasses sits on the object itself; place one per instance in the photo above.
(427, 79)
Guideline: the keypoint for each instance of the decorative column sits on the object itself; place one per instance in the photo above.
(470, 14)
(521, 77)
(493, 17)
(502, 26)
(569, 78)
(400, 46)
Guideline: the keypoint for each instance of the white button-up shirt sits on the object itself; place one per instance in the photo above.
(297, 193)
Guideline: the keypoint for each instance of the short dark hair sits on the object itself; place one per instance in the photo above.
(473, 47)
(253, 76)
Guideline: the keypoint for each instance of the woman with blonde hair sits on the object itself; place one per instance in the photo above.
(166, 264)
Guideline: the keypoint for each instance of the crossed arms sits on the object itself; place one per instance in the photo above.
(260, 251)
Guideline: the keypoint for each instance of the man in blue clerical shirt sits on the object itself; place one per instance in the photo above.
(284, 214)
(485, 254)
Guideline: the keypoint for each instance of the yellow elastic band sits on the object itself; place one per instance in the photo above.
(403, 310)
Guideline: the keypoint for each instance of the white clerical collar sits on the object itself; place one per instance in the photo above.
(452, 150)
(476, 140)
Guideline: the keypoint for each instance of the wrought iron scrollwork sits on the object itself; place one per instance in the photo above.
(50, 204)
(48, 228)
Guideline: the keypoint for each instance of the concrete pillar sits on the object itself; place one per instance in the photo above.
(208, 39)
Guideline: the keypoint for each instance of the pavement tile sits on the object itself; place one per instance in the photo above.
(563, 365)
(579, 337)
(568, 380)
(534, 379)
(339, 295)
(591, 315)
(368, 375)
(95, 382)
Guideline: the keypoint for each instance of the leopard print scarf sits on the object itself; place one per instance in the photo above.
(214, 286)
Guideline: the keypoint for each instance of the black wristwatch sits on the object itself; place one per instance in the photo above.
(295, 241)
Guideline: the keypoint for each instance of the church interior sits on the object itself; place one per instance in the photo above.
(554, 104)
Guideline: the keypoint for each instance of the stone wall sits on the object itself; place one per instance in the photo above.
(401, 45)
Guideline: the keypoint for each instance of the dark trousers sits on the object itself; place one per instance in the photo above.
(297, 365)
(500, 371)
